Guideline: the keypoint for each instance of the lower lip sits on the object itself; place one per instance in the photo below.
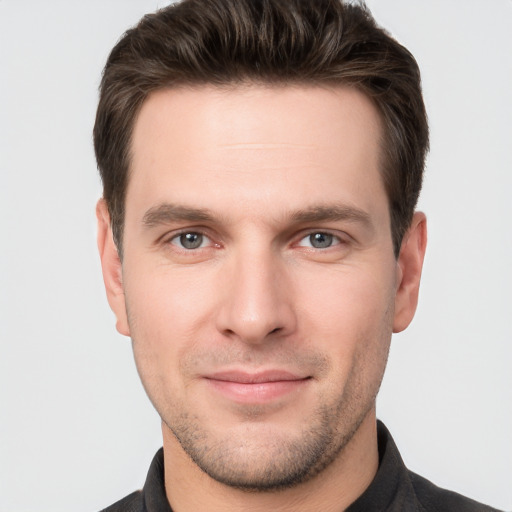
(256, 393)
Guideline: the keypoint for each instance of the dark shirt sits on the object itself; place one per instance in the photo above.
(394, 489)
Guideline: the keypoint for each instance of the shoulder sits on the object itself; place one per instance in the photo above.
(435, 499)
(131, 503)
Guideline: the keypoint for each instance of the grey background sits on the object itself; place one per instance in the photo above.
(76, 430)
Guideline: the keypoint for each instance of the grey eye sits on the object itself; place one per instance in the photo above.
(191, 240)
(320, 240)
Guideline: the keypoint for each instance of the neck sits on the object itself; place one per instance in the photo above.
(189, 489)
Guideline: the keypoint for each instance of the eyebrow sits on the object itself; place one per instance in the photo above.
(332, 213)
(167, 213)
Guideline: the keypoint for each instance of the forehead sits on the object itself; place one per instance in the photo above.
(276, 144)
(257, 113)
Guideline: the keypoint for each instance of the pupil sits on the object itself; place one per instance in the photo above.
(320, 240)
(191, 240)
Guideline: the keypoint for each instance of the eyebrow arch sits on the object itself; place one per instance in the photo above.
(167, 213)
(332, 213)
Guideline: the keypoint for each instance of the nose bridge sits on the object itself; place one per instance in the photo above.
(257, 301)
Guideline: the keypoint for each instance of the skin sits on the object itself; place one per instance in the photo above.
(262, 174)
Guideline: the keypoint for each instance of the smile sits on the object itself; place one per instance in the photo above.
(256, 388)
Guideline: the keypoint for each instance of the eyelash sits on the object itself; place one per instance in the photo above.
(177, 236)
(334, 240)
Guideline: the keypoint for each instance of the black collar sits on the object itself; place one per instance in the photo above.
(391, 489)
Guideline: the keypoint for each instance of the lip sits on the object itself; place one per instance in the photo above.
(255, 388)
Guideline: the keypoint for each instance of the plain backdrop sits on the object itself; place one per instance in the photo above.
(77, 431)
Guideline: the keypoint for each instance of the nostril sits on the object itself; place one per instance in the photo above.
(273, 331)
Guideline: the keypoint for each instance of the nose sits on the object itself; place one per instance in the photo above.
(256, 299)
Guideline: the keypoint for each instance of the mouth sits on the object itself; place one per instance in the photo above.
(256, 388)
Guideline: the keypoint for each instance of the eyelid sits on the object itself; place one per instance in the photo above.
(340, 238)
(176, 240)
(169, 237)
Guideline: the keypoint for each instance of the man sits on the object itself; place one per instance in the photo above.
(261, 164)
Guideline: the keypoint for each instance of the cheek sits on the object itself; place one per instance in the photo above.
(349, 314)
(167, 310)
(345, 299)
(353, 321)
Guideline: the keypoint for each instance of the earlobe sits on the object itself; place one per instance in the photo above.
(111, 268)
(410, 264)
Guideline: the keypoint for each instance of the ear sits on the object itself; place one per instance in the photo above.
(111, 268)
(410, 264)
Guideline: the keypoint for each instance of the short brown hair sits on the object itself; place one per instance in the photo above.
(310, 42)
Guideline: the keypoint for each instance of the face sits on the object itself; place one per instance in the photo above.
(258, 282)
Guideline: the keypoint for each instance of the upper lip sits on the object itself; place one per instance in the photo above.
(243, 377)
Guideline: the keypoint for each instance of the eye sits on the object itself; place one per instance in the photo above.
(319, 240)
(190, 240)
